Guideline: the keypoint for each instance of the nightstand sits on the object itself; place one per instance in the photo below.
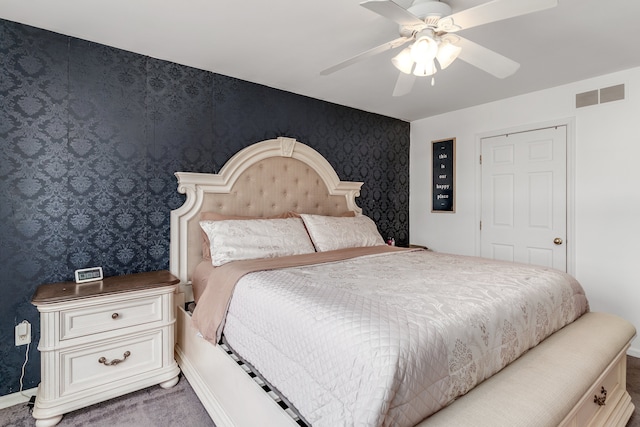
(411, 245)
(100, 340)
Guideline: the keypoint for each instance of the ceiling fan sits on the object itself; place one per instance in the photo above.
(430, 25)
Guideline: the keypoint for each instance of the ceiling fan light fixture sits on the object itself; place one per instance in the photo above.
(447, 53)
(424, 69)
(403, 61)
(425, 47)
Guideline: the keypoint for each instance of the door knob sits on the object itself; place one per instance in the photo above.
(557, 241)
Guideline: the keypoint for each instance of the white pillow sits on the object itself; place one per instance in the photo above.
(234, 240)
(333, 232)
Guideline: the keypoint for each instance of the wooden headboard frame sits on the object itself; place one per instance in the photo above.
(265, 179)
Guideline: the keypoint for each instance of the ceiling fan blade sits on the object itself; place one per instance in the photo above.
(404, 84)
(485, 59)
(392, 11)
(498, 10)
(367, 54)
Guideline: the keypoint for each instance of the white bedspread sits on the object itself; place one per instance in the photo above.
(387, 340)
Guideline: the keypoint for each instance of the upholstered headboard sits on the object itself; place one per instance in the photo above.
(265, 179)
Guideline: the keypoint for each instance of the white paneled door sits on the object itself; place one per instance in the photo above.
(524, 197)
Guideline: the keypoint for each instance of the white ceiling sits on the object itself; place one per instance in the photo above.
(286, 43)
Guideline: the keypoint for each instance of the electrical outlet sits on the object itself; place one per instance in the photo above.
(23, 333)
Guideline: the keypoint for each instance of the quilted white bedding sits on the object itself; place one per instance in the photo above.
(388, 339)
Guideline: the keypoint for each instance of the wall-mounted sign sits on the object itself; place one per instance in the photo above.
(444, 177)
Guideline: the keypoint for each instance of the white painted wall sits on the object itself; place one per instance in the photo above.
(606, 154)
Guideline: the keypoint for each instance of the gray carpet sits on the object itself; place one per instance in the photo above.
(177, 406)
(150, 407)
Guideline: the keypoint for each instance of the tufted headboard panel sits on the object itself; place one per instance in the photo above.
(265, 179)
(276, 185)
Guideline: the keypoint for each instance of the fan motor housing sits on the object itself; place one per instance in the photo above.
(429, 9)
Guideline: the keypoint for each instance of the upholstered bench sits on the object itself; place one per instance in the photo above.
(551, 386)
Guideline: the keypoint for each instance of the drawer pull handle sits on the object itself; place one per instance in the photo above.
(114, 316)
(114, 361)
(600, 401)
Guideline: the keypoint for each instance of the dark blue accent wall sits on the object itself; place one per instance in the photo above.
(90, 137)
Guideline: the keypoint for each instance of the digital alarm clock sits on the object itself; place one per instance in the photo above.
(88, 274)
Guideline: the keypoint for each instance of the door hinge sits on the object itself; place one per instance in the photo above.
(480, 225)
(480, 158)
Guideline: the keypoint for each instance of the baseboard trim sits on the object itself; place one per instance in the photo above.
(17, 398)
(635, 352)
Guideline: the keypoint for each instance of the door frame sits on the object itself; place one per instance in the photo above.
(569, 122)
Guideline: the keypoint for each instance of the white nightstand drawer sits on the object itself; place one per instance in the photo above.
(89, 320)
(123, 358)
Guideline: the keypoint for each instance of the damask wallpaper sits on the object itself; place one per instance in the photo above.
(90, 137)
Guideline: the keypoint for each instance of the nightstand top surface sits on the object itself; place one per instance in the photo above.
(67, 291)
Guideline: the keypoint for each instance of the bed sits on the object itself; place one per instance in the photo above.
(571, 371)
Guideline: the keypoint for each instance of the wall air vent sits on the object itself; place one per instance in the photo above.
(599, 96)
(585, 99)
(612, 93)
